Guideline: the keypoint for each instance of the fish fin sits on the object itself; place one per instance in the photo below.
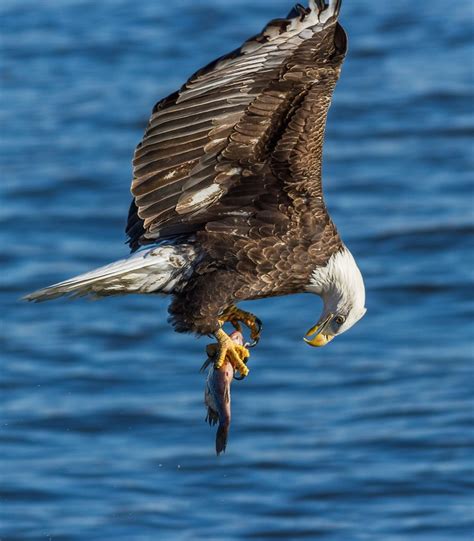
(211, 417)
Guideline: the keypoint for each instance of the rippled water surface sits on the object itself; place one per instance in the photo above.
(103, 434)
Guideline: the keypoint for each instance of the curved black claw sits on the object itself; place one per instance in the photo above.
(240, 377)
(256, 336)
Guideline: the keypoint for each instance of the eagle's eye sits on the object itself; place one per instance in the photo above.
(339, 320)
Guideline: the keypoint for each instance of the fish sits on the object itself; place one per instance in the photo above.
(217, 396)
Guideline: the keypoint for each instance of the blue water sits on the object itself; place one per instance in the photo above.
(103, 434)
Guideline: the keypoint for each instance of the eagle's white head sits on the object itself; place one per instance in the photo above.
(341, 287)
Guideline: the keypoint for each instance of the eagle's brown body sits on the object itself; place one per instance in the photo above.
(277, 262)
(232, 163)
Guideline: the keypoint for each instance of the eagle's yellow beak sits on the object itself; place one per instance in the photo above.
(315, 336)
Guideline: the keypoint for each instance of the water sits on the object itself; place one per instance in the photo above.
(103, 434)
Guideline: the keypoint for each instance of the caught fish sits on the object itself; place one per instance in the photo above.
(217, 396)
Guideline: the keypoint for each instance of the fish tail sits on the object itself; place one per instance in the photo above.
(221, 438)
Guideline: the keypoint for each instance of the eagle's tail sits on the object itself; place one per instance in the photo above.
(156, 270)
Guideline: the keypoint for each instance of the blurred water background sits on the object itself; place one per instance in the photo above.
(103, 434)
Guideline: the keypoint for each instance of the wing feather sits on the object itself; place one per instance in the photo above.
(298, 154)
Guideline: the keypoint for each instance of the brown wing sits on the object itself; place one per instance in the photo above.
(297, 157)
(257, 107)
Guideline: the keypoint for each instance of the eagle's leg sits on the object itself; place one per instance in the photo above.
(235, 316)
(226, 348)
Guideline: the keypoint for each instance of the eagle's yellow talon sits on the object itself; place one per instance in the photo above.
(235, 316)
(226, 348)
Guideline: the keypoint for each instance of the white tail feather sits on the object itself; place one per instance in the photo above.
(157, 270)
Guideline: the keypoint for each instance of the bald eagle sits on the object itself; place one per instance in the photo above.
(227, 196)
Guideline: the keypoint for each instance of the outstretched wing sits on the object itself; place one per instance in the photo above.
(264, 105)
